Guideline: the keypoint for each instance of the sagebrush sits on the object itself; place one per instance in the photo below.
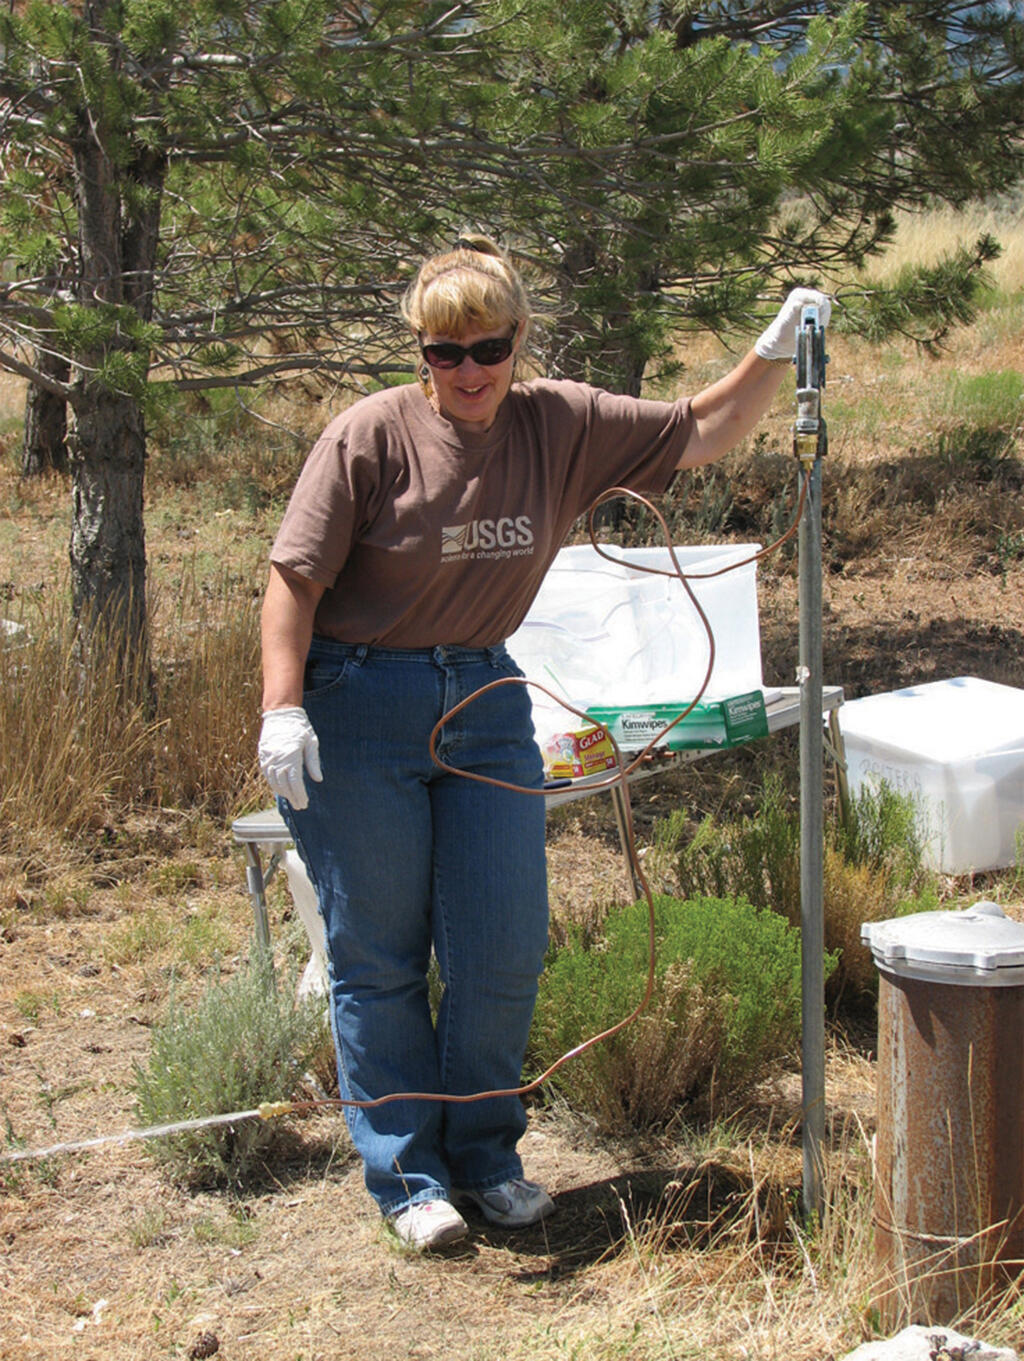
(725, 1007)
(873, 868)
(247, 1041)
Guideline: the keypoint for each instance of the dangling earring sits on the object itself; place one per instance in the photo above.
(423, 374)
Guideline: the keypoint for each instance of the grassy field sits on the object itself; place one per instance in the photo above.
(120, 886)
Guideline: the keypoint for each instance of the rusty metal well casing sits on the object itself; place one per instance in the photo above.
(949, 1164)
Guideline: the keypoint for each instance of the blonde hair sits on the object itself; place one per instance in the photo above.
(474, 286)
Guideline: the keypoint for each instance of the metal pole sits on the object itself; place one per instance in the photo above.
(810, 444)
(812, 914)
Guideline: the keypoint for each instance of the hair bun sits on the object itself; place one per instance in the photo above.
(479, 244)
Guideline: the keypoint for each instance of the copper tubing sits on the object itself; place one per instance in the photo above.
(620, 777)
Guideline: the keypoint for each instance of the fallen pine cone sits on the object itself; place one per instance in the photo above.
(206, 1344)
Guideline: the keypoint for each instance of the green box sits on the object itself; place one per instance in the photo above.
(716, 724)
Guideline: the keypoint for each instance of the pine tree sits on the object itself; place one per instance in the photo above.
(202, 193)
(703, 158)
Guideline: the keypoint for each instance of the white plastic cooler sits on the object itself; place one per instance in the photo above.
(957, 748)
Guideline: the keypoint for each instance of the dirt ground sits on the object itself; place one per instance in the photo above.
(101, 1255)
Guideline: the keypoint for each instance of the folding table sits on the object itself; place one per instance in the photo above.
(265, 833)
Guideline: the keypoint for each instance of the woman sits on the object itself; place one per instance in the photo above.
(416, 538)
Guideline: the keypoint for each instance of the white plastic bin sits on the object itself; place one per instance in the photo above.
(957, 748)
(314, 980)
(600, 633)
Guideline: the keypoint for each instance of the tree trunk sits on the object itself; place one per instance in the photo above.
(118, 203)
(107, 445)
(46, 422)
(598, 346)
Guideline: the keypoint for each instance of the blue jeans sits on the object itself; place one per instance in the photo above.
(405, 856)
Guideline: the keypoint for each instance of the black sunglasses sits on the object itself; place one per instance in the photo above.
(447, 355)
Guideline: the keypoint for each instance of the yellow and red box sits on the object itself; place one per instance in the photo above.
(568, 755)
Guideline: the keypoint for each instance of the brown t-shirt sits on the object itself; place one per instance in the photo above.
(424, 534)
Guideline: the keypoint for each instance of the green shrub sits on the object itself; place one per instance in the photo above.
(881, 831)
(979, 452)
(872, 869)
(855, 894)
(757, 858)
(247, 1041)
(726, 1005)
(990, 400)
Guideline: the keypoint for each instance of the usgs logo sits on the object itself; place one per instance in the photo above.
(484, 536)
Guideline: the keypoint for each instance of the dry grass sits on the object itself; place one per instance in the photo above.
(587, 874)
(922, 238)
(685, 1251)
(723, 1268)
(686, 1248)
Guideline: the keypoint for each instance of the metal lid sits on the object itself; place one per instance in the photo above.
(978, 946)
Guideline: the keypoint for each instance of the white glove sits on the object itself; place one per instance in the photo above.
(287, 744)
(779, 341)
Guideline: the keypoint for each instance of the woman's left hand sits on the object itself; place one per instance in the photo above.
(779, 340)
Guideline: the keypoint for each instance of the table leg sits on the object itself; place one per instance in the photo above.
(837, 750)
(257, 892)
(619, 796)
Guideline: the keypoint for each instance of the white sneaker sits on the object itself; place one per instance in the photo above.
(513, 1205)
(429, 1224)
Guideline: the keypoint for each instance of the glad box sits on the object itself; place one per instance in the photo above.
(582, 752)
(612, 634)
(956, 747)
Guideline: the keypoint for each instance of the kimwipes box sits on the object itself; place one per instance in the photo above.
(720, 723)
